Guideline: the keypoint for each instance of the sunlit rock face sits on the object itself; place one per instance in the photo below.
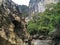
(12, 25)
(36, 6)
(0, 2)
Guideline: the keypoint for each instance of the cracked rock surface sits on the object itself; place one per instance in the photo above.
(12, 25)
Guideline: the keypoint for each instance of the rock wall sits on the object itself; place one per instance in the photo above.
(12, 24)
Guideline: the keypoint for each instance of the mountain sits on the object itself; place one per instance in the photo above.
(24, 10)
(12, 24)
(36, 6)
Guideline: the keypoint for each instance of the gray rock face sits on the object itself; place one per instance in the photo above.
(34, 5)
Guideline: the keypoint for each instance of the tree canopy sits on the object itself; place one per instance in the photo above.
(46, 22)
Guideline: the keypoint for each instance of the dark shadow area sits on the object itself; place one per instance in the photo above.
(56, 40)
(18, 29)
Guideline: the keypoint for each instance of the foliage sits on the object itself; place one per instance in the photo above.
(46, 22)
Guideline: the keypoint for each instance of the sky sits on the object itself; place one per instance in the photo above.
(21, 2)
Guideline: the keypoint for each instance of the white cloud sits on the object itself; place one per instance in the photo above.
(21, 2)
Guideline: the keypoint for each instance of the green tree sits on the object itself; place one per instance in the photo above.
(47, 21)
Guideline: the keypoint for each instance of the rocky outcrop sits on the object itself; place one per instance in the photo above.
(12, 24)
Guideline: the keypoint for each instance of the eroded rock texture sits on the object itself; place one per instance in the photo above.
(12, 24)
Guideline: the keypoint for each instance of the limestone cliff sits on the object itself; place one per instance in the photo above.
(12, 24)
